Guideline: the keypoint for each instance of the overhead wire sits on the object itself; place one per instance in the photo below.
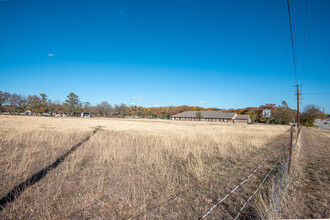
(292, 42)
(283, 43)
(306, 34)
(305, 29)
(285, 40)
(316, 93)
(294, 30)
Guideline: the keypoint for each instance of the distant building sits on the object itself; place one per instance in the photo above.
(85, 115)
(242, 119)
(212, 116)
(28, 113)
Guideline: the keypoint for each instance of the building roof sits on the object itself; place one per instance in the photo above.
(242, 117)
(205, 114)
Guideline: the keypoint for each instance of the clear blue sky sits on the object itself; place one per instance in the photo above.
(225, 54)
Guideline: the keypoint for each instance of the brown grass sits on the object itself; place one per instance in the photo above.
(307, 195)
(130, 168)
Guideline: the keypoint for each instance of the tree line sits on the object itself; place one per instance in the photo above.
(12, 103)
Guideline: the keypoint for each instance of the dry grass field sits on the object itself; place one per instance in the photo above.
(308, 193)
(144, 169)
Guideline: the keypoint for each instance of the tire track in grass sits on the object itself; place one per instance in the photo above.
(36, 177)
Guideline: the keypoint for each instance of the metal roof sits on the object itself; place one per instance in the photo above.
(242, 117)
(205, 114)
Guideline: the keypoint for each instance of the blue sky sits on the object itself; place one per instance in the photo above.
(225, 54)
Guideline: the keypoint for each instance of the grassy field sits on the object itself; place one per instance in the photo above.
(145, 169)
(308, 194)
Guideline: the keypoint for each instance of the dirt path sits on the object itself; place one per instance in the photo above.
(309, 192)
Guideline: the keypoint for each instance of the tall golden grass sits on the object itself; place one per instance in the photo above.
(130, 168)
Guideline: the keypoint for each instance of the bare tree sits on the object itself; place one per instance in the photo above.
(4, 100)
(87, 107)
(310, 113)
(54, 106)
(104, 108)
(122, 109)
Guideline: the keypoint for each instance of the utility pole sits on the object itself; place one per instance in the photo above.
(298, 103)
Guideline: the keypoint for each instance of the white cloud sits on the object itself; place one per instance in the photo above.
(137, 97)
(156, 105)
(51, 55)
(132, 103)
(202, 102)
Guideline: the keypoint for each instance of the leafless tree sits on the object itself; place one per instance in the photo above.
(4, 100)
(310, 113)
(104, 108)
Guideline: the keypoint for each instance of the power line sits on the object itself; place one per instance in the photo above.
(306, 33)
(280, 39)
(316, 93)
(284, 36)
(294, 30)
(292, 42)
(304, 50)
(294, 58)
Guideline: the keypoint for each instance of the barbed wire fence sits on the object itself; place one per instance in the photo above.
(259, 187)
(281, 183)
(174, 196)
(280, 188)
(244, 181)
(277, 192)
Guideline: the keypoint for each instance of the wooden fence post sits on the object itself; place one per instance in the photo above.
(291, 139)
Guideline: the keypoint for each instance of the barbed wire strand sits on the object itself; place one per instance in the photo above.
(278, 196)
(258, 187)
(247, 178)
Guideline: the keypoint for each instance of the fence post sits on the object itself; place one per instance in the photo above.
(291, 137)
